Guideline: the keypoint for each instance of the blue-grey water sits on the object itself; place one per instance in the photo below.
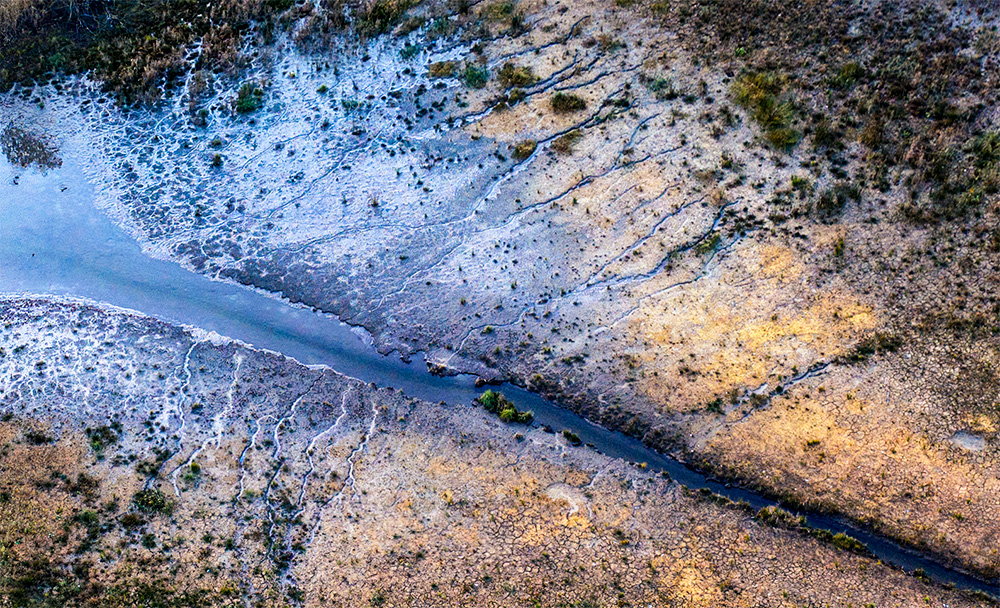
(53, 241)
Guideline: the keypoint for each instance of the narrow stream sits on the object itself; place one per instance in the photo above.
(54, 241)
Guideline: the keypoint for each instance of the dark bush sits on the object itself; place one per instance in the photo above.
(565, 103)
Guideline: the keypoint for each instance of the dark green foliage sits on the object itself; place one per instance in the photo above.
(152, 501)
(511, 75)
(663, 88)
(565, 103)
(496, 403)
(409, 51)
(572, 437)
(776, 516)
(37, 437)
(708, 244)
(715, 406)
(250, 98)
(475, 76)
(136, 47)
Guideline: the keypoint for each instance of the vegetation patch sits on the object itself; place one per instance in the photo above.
(26, 149)
(441, 69)
(496, 403)
(564, 143)
(759, 93)
(475, 76)
(379, 16)
(512, 75)
(524, 149)
(250, 98)
(566, 103)
(152, 501)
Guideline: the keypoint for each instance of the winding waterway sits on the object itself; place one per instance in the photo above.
(53, 241)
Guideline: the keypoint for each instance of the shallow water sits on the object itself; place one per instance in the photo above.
(54, 241)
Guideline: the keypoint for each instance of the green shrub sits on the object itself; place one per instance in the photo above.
(475, 77)
(708, 244)
(847, 75)
(782, 138)
(524, 149)
(152, 501)
(572, 437)
(758, 93)
(409, 51)
(250, 98)
(496, 403)
(379, 16)
(441, 69)
(565, 103)
(511, 75)
(564, 143)
(662, 88)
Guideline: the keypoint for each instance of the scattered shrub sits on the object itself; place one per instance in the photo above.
(758, 92)
(572, 437)
(475, 77)
(379, 16)
(441, 69)
(565, 103)
(524, 149)
(511, 75)
(250, 98)
(663, 88)
(152, 501)
(564, 143)
(496, 403)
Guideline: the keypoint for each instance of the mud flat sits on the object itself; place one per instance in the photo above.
(145, 462)
(800, 300)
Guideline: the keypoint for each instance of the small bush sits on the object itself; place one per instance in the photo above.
(565, 103)
(496, 403)
(832, 201)
(441, 69)
(663, 88)
(379, 16)
(572, 437)
(758, 93)
(409, 51)
(250, 98)
(524, 149)
(511, 75)
(782, 138)
(847, 75)
(152, 501)
(37, 438)
(475, 77)
(564, 143)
